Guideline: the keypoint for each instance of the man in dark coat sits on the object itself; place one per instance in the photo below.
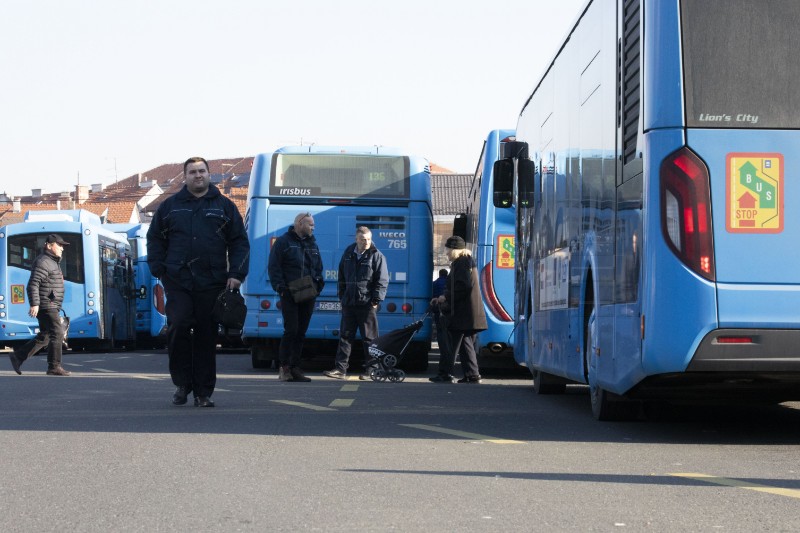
(463, 306)
(198, 247)
(46, 295)
(362, 283)
(295, 254)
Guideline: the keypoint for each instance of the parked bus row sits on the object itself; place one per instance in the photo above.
(113, 300)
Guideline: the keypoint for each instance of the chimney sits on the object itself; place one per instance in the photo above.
(36, 193)
(81, 194)
(97, 187)
(139, 179)
(17, 205)
(58, 205)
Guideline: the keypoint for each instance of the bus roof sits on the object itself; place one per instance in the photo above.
(351, 150)
(70, 215)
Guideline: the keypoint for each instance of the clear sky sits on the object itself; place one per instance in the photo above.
(101, 89)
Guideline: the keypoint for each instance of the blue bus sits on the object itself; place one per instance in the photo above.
(99, 293)
(151, 318)
(653, 200)
(382, 188)
(489, 233)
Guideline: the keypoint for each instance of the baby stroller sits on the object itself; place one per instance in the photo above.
(387, 350)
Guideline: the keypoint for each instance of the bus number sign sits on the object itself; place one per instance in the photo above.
(755, 193)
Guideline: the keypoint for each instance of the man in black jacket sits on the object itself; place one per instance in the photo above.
(45, 294)
(362, 283)
(295, 254)
(198, 247)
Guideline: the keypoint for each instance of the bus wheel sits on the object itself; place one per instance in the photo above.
(415, 358)
(260, 356)
(544, 383)
(605, 405)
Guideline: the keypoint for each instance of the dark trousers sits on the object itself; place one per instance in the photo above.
(192, 338)
(463, 344)
(363, 318)
(443, 335)
(51, 334)
(296, 318)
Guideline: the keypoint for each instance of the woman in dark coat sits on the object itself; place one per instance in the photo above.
(462, 305)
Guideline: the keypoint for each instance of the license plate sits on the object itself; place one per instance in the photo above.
(329, 306)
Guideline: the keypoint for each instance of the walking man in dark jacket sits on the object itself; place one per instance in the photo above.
(362, 283)
(46, 295)
(198, 247)
(295, 254)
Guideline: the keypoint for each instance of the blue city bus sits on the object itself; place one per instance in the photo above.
(382, 188)
(489, 233)
(653, 193)
(151, 318)
(99, 293)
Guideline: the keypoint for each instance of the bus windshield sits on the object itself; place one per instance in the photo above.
(339, 175)
(23, 249)
(722, 37)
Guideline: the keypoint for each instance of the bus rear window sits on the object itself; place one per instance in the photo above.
(23, 249)
(341, 176)
(740, 63)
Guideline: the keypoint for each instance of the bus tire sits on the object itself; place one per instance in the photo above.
(606, 406)
(544, 383)
(260, 356)
(416, 357)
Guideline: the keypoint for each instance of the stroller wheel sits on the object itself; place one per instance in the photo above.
(378, 374)
(389, 360)
(397, 376)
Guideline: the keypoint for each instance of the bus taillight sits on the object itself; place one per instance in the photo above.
(406, 308)
(490, 297)
(158, 299)
(686, 211)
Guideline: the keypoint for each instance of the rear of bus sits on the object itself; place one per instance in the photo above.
(490, 234)
(725, 311)
(342, 188)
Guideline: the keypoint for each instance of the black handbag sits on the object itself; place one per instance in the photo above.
(230, 309)
(303, 289)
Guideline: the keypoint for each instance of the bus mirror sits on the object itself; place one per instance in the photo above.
(460, 225)
(526, 171)
(514, 150)
(503, 182)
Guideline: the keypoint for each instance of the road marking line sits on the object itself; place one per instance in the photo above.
(349, 388)
(341, 402)
(791, 493)
(93, 360)
(151, 378)
(304, 405)
(105, 370)
(471, 436)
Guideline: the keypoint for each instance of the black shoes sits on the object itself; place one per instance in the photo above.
(297, 375)
(56, 371)
(470, 379)
(442, 378)
(181, 393)
(203, 401)
(15, 361)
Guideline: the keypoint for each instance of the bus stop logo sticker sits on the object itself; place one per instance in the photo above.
(755, 193)
(18, 294)
(505, 251)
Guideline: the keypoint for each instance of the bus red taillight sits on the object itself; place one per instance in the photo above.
(490, 296)
(686, 211)
(159, 301)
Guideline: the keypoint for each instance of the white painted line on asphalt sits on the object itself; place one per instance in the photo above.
(791, 493)
(349, 388)
(304, 405)
(105, 370)
(341, 402)
(466, 435)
